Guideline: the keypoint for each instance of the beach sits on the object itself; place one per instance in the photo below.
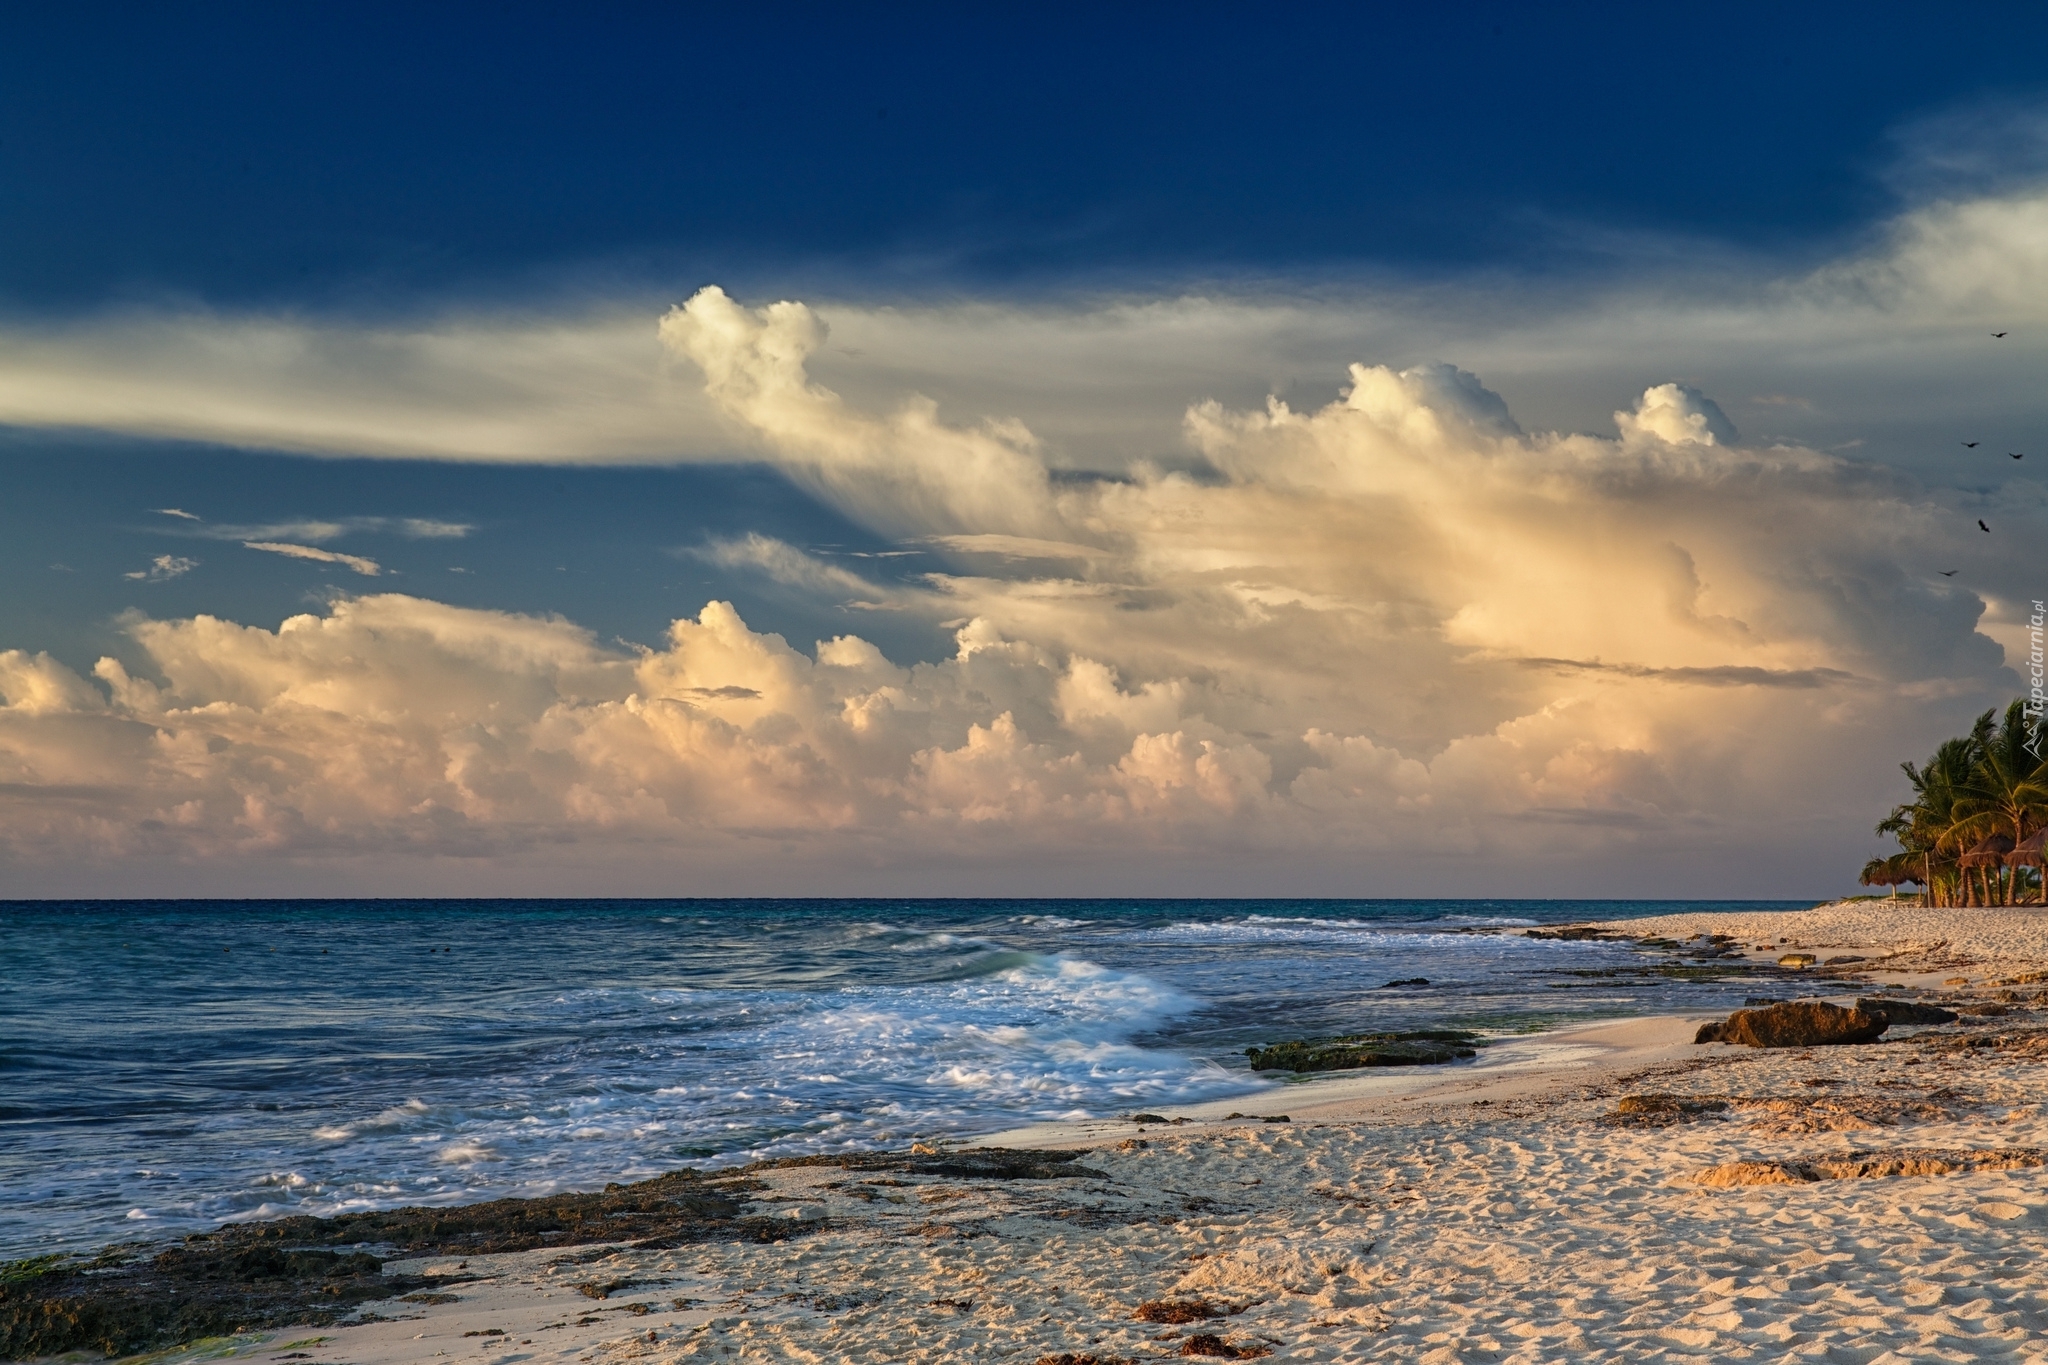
(1874, 1203)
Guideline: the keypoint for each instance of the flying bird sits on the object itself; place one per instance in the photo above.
(1998, 334)
(2017, 454)
(1947, 573)
(1971, 445)
(1982, 527)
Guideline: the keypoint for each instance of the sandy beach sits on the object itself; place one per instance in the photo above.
(1871, 1203)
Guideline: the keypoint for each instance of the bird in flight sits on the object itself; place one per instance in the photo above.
(2017, 454)
(1947, 573)
(1971, 445)
(1982, 527)
(1998, 334)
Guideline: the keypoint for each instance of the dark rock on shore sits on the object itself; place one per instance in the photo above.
(972, 1163)
(198, 1289)
(317, 1270)
(1802, 1023)
(1422, 1047)
(1906, 1011)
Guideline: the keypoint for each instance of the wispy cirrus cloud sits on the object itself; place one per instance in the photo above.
(320, 529)
(369, 568)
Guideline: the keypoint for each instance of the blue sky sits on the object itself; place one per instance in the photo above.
(372, 156)
(368, 300)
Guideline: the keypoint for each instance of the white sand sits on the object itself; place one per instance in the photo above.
(1475, 1213)
(1917, 945)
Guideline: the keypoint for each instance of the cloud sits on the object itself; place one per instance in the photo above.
(788, 565)
(369, 568)
(164, 567)
(1396, 634)
(324, 529)
(175, 512)
(1885, 343)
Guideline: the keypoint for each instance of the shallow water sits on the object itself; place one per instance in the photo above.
(169, 1065)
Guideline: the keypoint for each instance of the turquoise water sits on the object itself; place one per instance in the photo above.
(166, 1066)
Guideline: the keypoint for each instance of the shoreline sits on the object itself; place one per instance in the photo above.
(1500, 1208)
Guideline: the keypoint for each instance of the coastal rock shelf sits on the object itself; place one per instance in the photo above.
(1420, 1047)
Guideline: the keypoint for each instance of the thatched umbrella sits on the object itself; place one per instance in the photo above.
(1895, 872)
(1988, 852)
(2027, 853)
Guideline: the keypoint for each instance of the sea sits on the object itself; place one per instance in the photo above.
(167, 1066)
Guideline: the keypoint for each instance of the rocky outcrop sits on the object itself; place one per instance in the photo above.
(1802, 1023)
(1906, 1012)
(1423, 1047)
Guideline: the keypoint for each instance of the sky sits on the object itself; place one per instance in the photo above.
(1184, 450)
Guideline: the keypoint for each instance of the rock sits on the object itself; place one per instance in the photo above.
(1843, 961)
(1906, 1011)
(1797, 960)
(1422, 1047)
(1411, 981)
(1803, 1023)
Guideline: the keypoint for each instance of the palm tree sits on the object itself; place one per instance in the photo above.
(2006, 793)
(1926, 826)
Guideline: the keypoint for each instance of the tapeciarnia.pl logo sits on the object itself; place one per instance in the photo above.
(2037, 699)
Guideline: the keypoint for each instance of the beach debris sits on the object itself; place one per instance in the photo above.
(1178, 1311)
(1906, 1012)
(1660, 1111)
(1419, 1047)
(1071, 1358)
(1869, 1165)
(1211, 1345)
(1802, 1023)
